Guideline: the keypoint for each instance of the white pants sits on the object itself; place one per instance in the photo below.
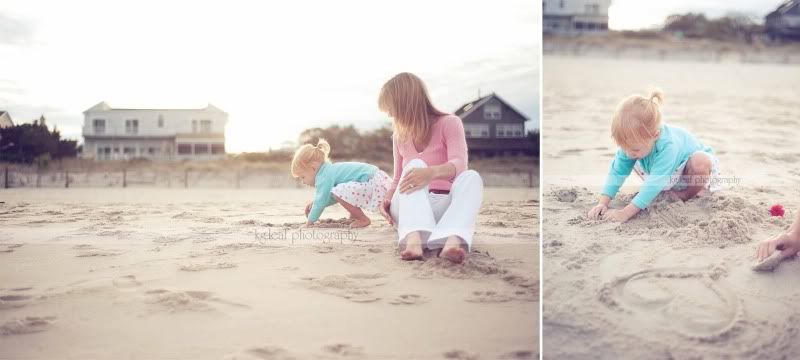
(438, 216)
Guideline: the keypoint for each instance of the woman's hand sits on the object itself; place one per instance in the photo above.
(415, 179)
(385, 207)
(308, 208)
(597, 211)
(788, 243)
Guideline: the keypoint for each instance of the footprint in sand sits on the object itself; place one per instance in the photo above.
(409, 299)
(344, 350)
(207, 266)
(519, 354)
(355, 259)
(185, 300)
(126, 282)
(27, 325)
(14, 301)
(9, 248)
(460, 355)
(695, 303)
(488, 296)
(263, 353)
(85, 250)
(353, 287)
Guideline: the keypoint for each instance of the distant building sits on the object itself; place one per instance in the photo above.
(573, 17)
(156, 134)
(784, 22)
(5, 119)
(493, 127)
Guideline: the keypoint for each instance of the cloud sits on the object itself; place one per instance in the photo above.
(15, 32)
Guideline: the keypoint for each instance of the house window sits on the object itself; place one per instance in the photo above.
(508, 130)
(200, 149)
(184, 149)
(129, 151)
(99, 126)
(561, 4)
(579, 25)
(205, 126)
(160, 121)
(476, 130)
(492, 112)
(591, 8)
(132, 126)
(151, 150)
(217, 149)
(194, 126)
(103, 153)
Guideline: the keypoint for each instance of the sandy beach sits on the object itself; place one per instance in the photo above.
(674, 282)
(211, 273)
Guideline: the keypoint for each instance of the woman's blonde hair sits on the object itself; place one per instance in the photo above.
(637, 119)
(309, 154)
(405, 98)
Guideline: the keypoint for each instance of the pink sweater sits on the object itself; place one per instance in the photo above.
(447, 144)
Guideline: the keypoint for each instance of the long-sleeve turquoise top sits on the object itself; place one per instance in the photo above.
(673, 147)
(330, 175)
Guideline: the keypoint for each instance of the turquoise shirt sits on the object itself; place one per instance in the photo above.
(330, 175)
(673, 147)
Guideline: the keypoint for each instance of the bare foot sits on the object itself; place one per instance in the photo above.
(413, 250)
(359, 223)
(453, 250)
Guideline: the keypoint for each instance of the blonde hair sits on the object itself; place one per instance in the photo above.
(406, 99)
(309, 154)
(637, 119)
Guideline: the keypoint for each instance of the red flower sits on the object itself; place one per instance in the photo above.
(776, 210)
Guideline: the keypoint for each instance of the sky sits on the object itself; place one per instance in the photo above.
(644, 14)
(275, 67)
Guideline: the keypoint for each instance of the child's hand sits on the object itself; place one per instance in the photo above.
(597, 211)
(308, 208)
(787, 243)
(308, 224)
(385, 206)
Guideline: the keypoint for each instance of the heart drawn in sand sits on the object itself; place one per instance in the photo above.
(695, 303)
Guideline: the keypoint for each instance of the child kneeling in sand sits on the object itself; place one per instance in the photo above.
(354, 185)
(666, 157)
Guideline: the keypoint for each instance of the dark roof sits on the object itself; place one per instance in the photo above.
(786, 6)
(466, 108)
(469, 105)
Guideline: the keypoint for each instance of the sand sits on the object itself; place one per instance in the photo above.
(215, 274)
(675, 282)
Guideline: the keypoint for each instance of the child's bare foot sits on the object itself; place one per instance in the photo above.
(359, 222)
(413, 250)
(453, 250)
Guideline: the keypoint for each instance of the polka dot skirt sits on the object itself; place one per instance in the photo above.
(365, 195)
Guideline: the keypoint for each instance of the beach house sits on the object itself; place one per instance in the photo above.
(155, 134)
(493, 127)
(5, 119)
(784, 22)
(575, 17)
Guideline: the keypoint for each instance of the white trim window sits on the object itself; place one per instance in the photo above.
(492, 112)
(205, 126)
(132, 126)
(508, 131)
(99, 126)
(476, 130)
(160, 121)
(194, 126)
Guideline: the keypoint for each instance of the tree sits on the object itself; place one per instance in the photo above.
(27, 142)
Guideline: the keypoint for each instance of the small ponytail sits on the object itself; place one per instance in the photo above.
(657, 96)
(309, 154)
(322, 145)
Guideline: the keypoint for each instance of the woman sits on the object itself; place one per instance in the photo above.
(434, 200)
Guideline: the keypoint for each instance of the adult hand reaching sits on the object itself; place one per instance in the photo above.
(787, 243)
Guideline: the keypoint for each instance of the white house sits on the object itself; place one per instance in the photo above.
(156, 134)
(572, 17)
(5, 119)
